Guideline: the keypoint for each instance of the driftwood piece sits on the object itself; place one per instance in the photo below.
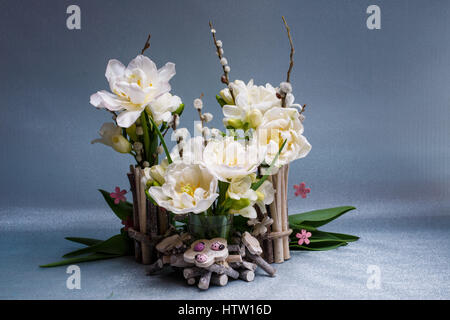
(165, 259)
(284, 211)
(177, 260)
(233, 248)
(156, 266)
(137, 245)
(219, 279)
(220, 269)
(244, 265)
(234, 258)
(247, 275)
(191, 281)
(262, 263)
(251, 243)
(169, 243)
(203, 282)
(193, 272)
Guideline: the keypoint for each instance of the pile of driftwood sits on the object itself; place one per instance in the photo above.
(207, 261)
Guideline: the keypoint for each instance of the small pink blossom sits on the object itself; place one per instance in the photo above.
(303, 237)
(118, 195)
(300, 189)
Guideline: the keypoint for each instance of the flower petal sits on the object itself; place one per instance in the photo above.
(167, 72)
(126, 118)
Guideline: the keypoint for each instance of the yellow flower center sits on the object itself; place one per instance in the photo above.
(189, 189)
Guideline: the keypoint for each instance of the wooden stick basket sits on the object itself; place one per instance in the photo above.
(150, 222)
(276, 241)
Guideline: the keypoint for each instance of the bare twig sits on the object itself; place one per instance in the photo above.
(225, 77)
(147, 44)
(303, 109)
(291, 55)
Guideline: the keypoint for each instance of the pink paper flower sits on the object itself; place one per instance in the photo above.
(118, 195)
(300, 189)
(303, 237)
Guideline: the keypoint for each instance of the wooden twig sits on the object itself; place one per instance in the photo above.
(147, 44)
(291, 55)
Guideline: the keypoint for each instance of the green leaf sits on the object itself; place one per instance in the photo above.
(180, 109)
(117, 244)
(318, 236)
(86, 241)
(317, 218)
(145, 128)
(258, 184)
(122, 210)
(318, 246)
(92, 257)
(220, 100)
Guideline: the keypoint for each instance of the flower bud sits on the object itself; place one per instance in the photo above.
(254, 118)
(131, 132)
(233, 123)
(223, 61)
(198, 104)
(226, 95)
(157, 173)
(207, 117)
(227, 69)
(285, 87)
(219, 43)
(120, 144)
(139, 131)
(138, 146)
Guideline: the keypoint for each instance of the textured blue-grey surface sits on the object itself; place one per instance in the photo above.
(411, 250)
(377, 118)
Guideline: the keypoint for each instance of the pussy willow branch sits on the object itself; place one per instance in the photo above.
(225, 78)
(147, 44)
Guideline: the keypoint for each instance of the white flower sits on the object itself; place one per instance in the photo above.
(247, 212)
(240, 188)
(228, 158)
(280, 124)
(133, 87)
(187, 188)
(249, 97)
(111, 135)
(162, 108)
(265, 195)
(181, 133)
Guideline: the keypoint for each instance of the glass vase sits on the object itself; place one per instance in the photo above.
(208, 227)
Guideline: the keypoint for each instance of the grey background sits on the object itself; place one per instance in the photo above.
(377, 118)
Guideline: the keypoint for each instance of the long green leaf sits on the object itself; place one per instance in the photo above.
(85, 241)
(327, 236)
(117, 244)
(220, 100)
(92, 257)
(256, 185)
(122, 210)
(317, 218)
(320, 246)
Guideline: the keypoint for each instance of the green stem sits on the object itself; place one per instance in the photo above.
(146, 136)
(161, 138)
(258, 184)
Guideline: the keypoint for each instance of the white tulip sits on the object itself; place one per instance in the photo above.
(161, 108)
(133, 87)
(228, 158)
(111, 135)
(188, 188)
(249, 98)
(280, 124)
